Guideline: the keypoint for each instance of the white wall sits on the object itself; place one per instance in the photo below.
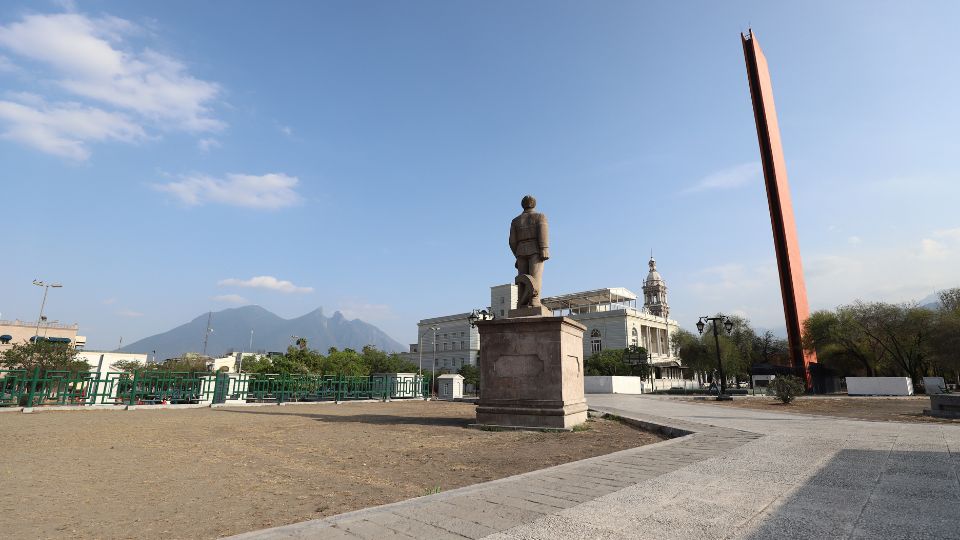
(879, 386)
(92, 358)
(612, 385)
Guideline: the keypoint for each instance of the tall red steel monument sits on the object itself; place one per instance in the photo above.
(792, 287)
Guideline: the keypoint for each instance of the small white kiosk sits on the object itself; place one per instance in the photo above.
(450, 386)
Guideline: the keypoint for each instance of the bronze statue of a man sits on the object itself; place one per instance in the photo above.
(528, 241)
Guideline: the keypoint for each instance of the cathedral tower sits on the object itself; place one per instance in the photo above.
(655, 292)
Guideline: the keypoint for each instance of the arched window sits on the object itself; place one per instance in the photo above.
(634, 337)
(595, 345)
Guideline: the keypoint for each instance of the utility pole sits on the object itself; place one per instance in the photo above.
(46, 287)
(207, 333)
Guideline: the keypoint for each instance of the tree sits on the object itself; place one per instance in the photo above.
(129, 366)
(46, 355)
(471, 375)
(612, 362)
(378, 361)
(188, 363)
(346, 362)
(258, 364)
(945, 338)
(693, 353)
(950, 300)
(769, 349)
(787, 387)
(841, 343)
(903, 332)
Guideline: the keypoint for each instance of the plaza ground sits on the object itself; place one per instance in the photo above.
(899, 409)
(739, 474)
(204, 473)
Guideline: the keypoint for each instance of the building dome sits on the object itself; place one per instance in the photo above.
(653, 277)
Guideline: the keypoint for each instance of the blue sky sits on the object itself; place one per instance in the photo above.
(162, 159)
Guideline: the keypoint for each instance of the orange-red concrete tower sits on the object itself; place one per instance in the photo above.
(794, 291)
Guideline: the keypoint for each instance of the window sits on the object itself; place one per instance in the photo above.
(502, 302)
(463, 345)
(634, 337)
(462, 334)
(501, 313)
(444, 336)
(595, 345)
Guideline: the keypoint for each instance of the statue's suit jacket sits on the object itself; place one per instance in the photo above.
(528, 235)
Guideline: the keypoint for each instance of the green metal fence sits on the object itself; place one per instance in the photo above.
(32, 389)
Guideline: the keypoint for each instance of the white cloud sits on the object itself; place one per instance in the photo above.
(854, 240)
(952, 234)
(265, 282)
(65, 129)
(286, 130)
(66, 5)
(108, 301)
(6, 65)
(205, 145)
(92, 59)
(230, 299)
(932, 250)
(268, 191)
(731, 178)
(129, 313)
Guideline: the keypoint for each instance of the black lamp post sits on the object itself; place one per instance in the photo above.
(728, 326)
(478, 315)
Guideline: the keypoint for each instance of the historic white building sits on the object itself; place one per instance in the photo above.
(613, 318)
(448, 340)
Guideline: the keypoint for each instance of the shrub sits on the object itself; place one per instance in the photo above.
(786, 387)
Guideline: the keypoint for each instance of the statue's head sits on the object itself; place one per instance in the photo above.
(528, 202)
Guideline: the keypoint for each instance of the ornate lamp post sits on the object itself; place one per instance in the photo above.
(728, 326)
(478, 315)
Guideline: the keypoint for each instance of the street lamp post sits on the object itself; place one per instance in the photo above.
(46, 287)
(420, 353)
(728, 326)
(433, 371)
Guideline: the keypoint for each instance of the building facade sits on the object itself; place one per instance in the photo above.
(19, 332)
(613, 318)
(448, 342)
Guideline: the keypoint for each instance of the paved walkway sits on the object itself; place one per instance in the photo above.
(735, 473)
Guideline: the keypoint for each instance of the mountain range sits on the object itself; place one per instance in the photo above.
(231, 330)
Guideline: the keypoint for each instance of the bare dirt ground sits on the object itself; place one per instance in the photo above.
(204, 473)
(900, 409)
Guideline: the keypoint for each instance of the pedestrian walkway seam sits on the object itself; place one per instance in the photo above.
(498, 502)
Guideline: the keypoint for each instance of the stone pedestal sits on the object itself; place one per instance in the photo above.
(531, 373)
(530, 311)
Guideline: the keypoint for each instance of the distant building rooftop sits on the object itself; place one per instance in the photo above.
(577, 300)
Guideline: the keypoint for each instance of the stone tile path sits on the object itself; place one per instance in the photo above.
(735, 473)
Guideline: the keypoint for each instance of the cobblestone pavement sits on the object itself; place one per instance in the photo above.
(730, 473)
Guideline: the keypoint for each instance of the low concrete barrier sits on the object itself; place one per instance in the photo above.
(934, 385)
(944, 406)
(602, 384)
(879, 386)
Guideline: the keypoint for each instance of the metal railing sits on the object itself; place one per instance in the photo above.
(21, 388)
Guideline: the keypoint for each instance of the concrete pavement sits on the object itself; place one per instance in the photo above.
(733, 473)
